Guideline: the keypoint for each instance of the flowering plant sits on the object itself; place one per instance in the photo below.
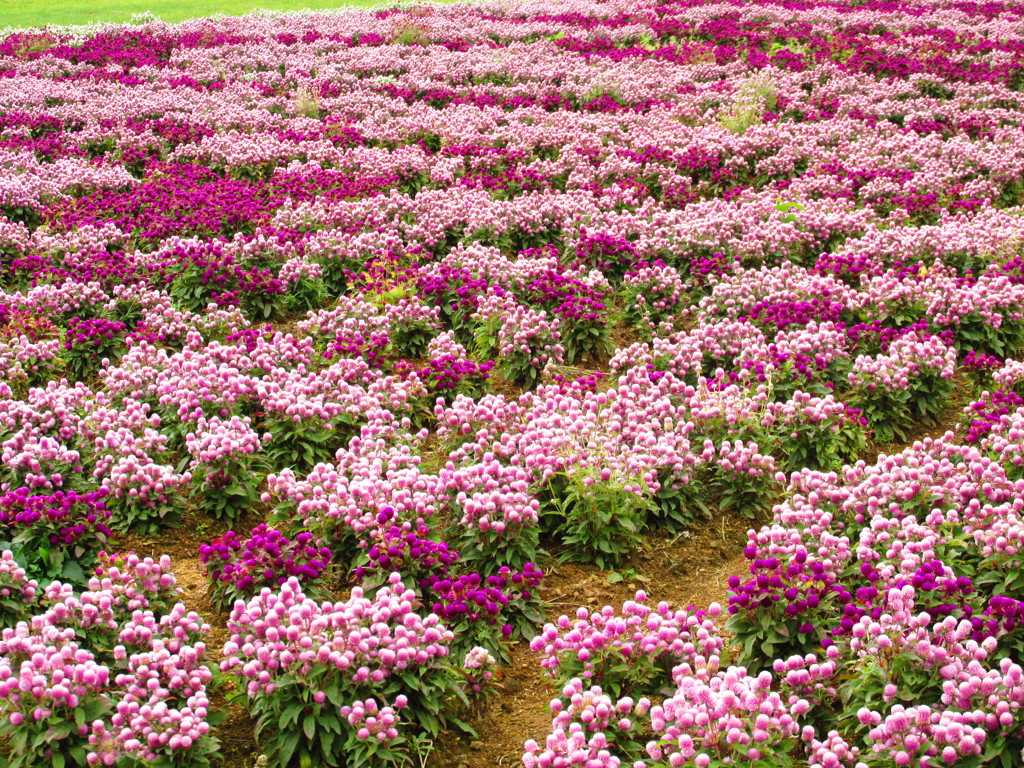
(986, 413)
(88, 343)
(18, 593)
(136, 583)
(910, 383)
(979, 368)
(652, 294)
(522, 340)
(56, 535)
(725, 717)
(47, 724)
(411, 552)
(223, 463)
(112, 675)
(307, 686)
(448, 377)
(495, 526)
(372, 348)
(238, 569)
(598, 517)
(143, 495)
(487, 611)
(630, 651)
(781, 610)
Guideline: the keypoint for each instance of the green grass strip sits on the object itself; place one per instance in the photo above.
(59, 13)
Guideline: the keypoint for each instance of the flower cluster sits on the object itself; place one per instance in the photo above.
(294, 655)
(59, 534)
(88, 344)
(222, 454)
(18, 593)
(655, 640)
(238, 568)
(472, 604)
(412, 553)
(111, 674)
(983, 415)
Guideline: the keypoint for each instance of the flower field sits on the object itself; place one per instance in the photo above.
(384, 323)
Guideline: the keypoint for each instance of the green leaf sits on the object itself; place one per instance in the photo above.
(216, 717)
(328, 725)
(309, 726)
(326, 743)
(72, 571)
(287, 743)
(290, 715)
(429, 722)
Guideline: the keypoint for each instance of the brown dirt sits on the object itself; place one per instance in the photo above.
(499, 385)
(623, 335)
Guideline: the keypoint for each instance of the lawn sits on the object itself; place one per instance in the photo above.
(37, 13)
